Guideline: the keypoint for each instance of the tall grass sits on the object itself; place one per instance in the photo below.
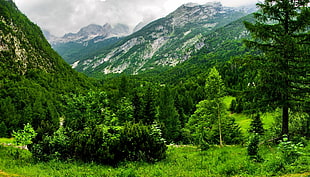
(181, 161)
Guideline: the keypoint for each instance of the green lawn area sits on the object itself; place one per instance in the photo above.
(6, 140)
(245, 120)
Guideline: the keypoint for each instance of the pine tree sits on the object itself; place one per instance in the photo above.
(149, 111)
(256, 125)
(281, 34)
(169, 116)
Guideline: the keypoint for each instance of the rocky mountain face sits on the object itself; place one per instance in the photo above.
(90, 32)
(165, 42)
(89, 39)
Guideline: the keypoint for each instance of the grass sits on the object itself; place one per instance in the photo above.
(180, 161)
(6, 140)
(245, 120)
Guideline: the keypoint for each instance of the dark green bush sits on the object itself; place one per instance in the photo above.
(3, 130)
(253, 147)
(103, 144)
(142, 143)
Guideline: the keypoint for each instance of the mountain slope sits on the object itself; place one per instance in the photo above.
(222, 44)
(87, 41)
(164, 42)
(33, 77)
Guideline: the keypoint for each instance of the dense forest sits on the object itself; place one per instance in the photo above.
(61, 114)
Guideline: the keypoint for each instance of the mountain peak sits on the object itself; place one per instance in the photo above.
(93, 31)
(190, 4)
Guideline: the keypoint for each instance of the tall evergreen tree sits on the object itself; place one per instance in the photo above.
(256, 125)
(149, 111)
(281, 33)
(168, 115)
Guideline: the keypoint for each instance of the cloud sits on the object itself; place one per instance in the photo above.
(64, 16)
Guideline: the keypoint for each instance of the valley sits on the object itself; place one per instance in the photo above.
(189, 94)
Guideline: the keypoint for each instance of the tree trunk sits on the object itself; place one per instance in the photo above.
(220, 125)
(285, 118)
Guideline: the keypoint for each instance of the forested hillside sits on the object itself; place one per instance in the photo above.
(32, 75)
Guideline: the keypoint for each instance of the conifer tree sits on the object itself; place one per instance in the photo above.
(168, 115)
(281, 34)
(256, 125)
(149, 111)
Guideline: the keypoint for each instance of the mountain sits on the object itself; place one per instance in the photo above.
(222, 44)
(33, 77)
(165, 42)
(91, 32)
(88, 40)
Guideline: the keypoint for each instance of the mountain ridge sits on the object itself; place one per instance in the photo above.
(90, 32)
(165, 42)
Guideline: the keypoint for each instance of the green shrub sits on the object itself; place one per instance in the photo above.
(24, 137)
(103, 144)
(142, 143)
(253, 148)
(3, 130)
(289, 151)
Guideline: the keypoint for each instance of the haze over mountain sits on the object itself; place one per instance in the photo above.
(64, 16)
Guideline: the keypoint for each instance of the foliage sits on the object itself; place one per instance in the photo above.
(3, 130)
(280, 33)
(253, 148)
(24, 137)
(103, 144)
(168, 116)
(289, 151)
(87, 110)
(203, 125)
(142, 143)
(256, 125)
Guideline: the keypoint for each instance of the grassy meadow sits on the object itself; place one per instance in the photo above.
(181, 161)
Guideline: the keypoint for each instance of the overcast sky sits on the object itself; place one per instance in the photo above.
(64, 16)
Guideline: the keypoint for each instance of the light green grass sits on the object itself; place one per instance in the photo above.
(244, 120)
(6, 140)
(181, 161)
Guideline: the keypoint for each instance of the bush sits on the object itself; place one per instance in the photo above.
(3, 130)
(103, 144)
(253, 148)
(289, 151)
(142, 143)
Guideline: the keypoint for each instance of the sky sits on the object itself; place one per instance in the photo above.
(64, 16)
